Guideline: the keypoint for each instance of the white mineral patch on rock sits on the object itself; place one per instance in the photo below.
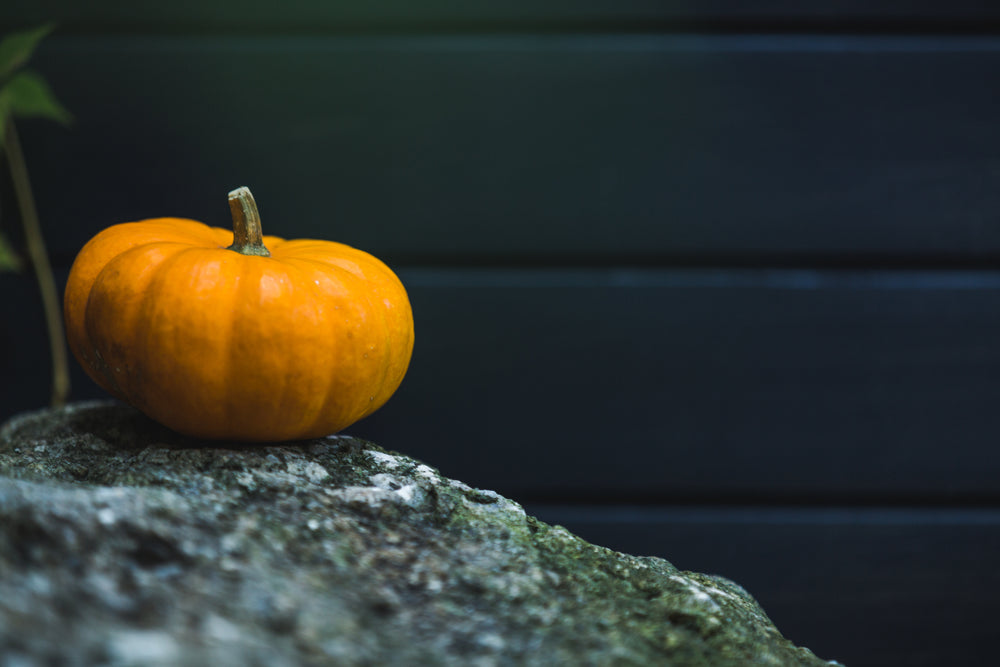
(718, 591)
(459, 485)
(427, 471)
(220, 629)
(387, 460)
(311, 470)
(406, 492)
(366, 495)
(385, 489)
(246, 480)
(143, 647)
(698, 593)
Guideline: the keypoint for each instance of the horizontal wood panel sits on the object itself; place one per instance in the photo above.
(686, 385)
(104, 15)
(538, 148)
(865, 586)
(677, 385)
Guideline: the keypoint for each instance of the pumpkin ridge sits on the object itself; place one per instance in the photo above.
(160, 242)
(231, 409)
(358, 284)
(330, 406)
(314, 421)
(106, 331)
(96, 254)
(156, 314)
(245, 324)
(180, 230)
(229, 417)
(376, 400)
(375, 272)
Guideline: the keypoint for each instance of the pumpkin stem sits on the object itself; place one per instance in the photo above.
(247, 236)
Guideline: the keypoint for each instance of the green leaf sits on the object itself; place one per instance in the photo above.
(16, 48)
(9, 261)
(27, 94)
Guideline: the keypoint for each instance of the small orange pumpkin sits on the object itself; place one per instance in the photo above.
(261, 340)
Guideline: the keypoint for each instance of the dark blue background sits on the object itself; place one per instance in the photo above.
(694, 280)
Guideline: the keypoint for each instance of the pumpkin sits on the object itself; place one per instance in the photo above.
(236, 335)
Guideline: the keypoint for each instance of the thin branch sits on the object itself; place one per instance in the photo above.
(40, 262)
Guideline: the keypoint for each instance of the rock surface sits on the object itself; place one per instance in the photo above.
(122, 543)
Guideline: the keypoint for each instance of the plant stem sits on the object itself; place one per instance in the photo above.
(40, 261)
(248, 238)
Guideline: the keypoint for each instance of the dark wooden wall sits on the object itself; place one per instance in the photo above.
(699, 280)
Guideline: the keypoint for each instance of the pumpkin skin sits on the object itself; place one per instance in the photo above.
(218, 344)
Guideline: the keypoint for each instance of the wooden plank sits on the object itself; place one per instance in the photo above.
(544, 149)
(696, 385)
(867, 586)
(693, 386)
(307, 15)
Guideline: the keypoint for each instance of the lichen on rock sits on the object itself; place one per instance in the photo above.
(123, 543)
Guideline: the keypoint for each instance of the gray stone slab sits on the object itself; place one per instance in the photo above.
(123, 544)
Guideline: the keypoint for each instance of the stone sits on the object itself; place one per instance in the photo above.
(122, 543)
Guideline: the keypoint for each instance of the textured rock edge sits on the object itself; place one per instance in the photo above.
(423, 545)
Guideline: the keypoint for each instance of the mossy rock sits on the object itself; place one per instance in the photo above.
(122, 543)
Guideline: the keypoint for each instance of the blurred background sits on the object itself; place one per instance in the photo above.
(695, 280)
